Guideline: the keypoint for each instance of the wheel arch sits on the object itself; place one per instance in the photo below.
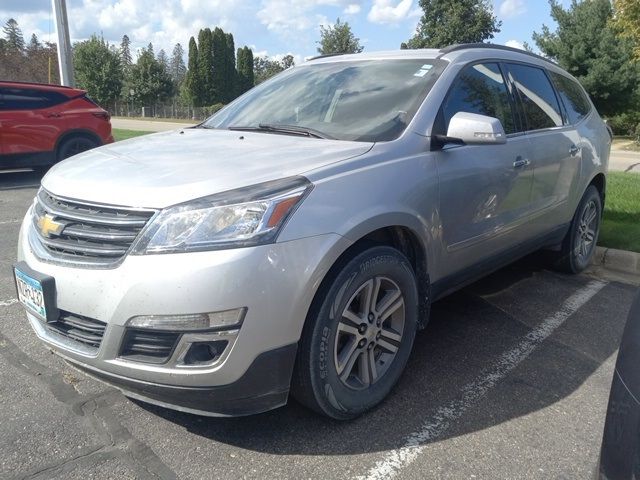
(76, 132)
(599, 181)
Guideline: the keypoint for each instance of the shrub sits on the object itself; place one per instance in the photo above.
(624, 123)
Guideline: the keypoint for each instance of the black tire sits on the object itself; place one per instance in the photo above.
(74, 145)
(316, 381)
(576, 251)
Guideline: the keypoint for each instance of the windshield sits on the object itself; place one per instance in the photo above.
(366, 100)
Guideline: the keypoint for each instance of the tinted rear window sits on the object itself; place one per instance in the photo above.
(538, 98)
(28, 99)
(573, 97)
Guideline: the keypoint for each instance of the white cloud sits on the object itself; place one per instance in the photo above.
(514, 44)
(512, 8)
(389, 11)
(282, 16)
(352, 9)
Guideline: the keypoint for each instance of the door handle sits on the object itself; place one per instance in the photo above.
(521, 162)
(573, 150)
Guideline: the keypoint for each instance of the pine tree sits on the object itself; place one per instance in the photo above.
(205, 76)
(177, 68)
(125, 53)
(163, 60)
(192, 84)
(150, 49)
(34, 44)
(586, 45)
(13, 36)
(230, 73)
(245, 70)
(446, 22)
(219, 65)
(150, 82)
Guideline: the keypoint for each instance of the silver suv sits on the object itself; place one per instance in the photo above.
(294, 241)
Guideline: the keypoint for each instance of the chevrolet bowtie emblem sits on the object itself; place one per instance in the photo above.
(49, 227)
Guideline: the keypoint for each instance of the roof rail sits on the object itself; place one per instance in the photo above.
(465, 46)
(37, 84)
(326, 55)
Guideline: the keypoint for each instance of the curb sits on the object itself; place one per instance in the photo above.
(620, 261)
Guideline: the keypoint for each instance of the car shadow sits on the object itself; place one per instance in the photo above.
(467, 332)
(18, 179)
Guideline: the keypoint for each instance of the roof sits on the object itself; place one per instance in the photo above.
(462, 52)
(43, 86)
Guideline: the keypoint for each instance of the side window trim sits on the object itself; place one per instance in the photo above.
(516, 107)
(563, 109)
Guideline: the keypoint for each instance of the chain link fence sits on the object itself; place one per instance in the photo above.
(164, 110)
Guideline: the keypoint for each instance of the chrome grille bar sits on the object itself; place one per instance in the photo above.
(71, 229)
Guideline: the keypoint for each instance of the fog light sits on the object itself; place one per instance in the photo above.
(202, 353)
(197, 321)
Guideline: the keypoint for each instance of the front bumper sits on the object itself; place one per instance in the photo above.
(276, 283)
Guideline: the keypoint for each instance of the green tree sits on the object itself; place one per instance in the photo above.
(34, 44)
(205, 77)
(245, 70)
(265, 68)
(125, 53)
(13, 36)
(149, 80)
(163, 60)
(98, 70)
(192, 87)
(586, 45)
(177, 68)
(228, 89)
(219, 66)
(446, 22)
(338, 39)
(627, 20)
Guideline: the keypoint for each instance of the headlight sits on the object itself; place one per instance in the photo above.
(240, 218)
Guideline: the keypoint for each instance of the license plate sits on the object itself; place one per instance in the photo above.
(36, 291)
(31, 293)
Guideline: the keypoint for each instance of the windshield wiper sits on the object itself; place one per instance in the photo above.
(281, 128)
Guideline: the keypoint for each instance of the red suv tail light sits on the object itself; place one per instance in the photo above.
(103, 115)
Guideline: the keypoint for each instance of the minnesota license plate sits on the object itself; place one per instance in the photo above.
(31, 293)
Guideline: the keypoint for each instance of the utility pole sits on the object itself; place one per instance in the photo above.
(65, 60)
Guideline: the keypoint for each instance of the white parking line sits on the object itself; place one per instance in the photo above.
(4, 222)
(6, 303)
(439, 422)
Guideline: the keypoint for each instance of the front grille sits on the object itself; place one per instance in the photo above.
(84, 330)
(148, 345)
(75, 230)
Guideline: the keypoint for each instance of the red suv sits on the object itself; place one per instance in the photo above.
(43, 124)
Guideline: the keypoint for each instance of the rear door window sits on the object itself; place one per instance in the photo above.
(480, 89)
(28, 99)
(538, 99)
(573, 97)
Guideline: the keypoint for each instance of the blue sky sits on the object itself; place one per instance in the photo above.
(270, 27)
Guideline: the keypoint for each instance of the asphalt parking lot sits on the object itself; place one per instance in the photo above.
(510, 380)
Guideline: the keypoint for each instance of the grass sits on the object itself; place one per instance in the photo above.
(621, 223)
(120, 134)
(159, 119)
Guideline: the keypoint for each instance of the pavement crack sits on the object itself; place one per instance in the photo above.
(96, 411)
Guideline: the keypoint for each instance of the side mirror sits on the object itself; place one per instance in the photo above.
(473, 129)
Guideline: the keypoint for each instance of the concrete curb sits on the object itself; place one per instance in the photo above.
(620, 261)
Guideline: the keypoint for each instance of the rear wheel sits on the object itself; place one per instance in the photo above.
(579, 244)
(358, 335)
(73, 146)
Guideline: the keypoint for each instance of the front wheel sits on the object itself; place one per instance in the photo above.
(358, 336)
(579, 244)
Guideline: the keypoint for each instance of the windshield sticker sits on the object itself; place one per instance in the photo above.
(423, 70)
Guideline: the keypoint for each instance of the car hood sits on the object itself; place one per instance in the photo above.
(172, 167)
